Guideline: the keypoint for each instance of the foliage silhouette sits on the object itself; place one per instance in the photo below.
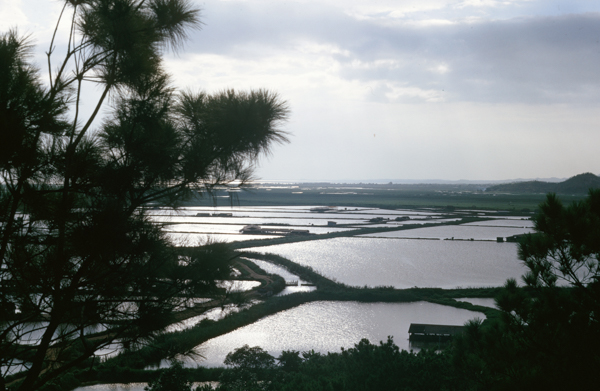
(78, 252)
(251, 367)
(365, 366)
(175, 378)
(548, 336)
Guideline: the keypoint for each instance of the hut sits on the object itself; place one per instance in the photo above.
(251, 229)
(258, 230)
(377, 220)
(433, 332)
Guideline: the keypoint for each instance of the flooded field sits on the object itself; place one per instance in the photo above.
(328, 326)
(406, 263)
(188, 239)
(464, 232)
(445, 256)
(507, 222)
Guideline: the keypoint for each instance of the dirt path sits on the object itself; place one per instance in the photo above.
(253, 274)
(200, 308)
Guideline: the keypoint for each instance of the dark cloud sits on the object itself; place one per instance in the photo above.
(552, 59)
(548, 59)
(531, 60)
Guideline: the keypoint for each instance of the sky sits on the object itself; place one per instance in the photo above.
(399, 89)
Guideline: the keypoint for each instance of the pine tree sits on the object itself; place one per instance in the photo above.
(549, 334)
(77, 248)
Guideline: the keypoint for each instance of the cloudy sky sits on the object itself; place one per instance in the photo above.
(404, 89)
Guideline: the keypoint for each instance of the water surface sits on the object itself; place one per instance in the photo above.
(455, 231)
(507, 222)
(276, 269)
(327, 326)
(405, 263)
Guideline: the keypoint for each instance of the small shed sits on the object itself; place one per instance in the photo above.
(433, 332)
(251, 229)
(377, 220)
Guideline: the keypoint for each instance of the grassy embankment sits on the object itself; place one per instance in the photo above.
(354, 232)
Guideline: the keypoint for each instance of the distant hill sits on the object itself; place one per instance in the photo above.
(579, 184)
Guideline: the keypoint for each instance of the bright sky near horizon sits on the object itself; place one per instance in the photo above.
(404, 89)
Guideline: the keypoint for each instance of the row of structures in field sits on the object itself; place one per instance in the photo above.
(433, 332)
(258, 230)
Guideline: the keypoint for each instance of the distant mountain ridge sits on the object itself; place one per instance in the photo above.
(579, 184)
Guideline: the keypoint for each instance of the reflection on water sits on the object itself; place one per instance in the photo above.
(215, 314)
(287, 276)
(276, 269)
(455, 231)
(287, 212)
(114, 387)
(238, 285)
(406, 263)
(186, 239)
(288, 290)
(129, 386)
(506, 222)
(204, 228)
(234, 229)
(328, 326)
(201, 223)
(318, 220)
(31, 333)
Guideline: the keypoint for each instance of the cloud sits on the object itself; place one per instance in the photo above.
(528, 59)
(11, 14)
(402, 89)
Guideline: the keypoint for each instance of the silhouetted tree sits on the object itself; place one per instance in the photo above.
(174, 378)
(549, 334)
(251, 370)
(252, 358)
(363, 367)
(78, 252)
(290, 360)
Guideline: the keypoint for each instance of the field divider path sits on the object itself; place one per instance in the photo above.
(351, 233)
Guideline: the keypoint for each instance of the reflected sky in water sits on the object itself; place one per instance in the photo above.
(406, 263)
(328, 326)
(455, 231)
